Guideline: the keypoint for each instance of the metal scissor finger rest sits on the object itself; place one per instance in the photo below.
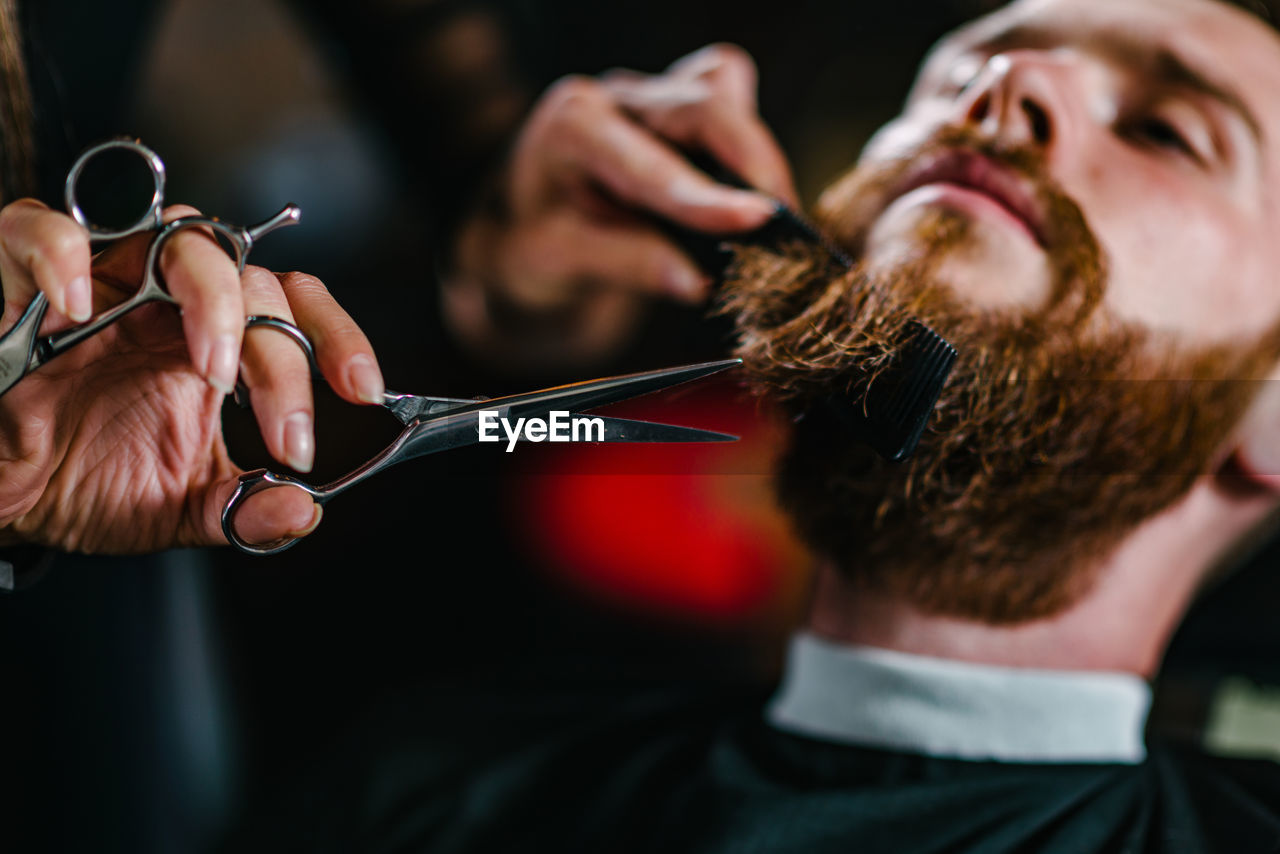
(434, 424)
(23, 349)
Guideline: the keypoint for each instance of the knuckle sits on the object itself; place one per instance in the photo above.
(15, 214)
(619, 75)
(573, 95)
(698, 99)
(55, 240)
(730, 55)
(728, 63)
(260, 283)
(194, 254)
(657, 265)
(304, 284)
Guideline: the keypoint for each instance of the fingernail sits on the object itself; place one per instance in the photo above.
(312, 525)
(224, 364)
(79, 299)
(686, 284)
(755, 205)
(299, 444)
(689, 191)
(366, 378)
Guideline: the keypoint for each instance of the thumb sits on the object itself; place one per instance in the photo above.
(276, 513)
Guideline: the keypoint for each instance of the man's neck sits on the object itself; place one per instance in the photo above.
(1069, 642)
(1123, 623)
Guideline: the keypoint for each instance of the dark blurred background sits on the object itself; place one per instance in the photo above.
(153, 701)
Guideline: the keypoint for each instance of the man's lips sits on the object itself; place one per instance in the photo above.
(961, 174)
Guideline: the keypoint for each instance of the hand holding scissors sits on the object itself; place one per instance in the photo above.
(434, 424)
(112, 441)
(23, 349)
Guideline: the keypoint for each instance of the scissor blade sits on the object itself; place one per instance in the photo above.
(577, 397)
(18, 356)
(628, 430)
(408, 407)
(457, 429)
(459, 425)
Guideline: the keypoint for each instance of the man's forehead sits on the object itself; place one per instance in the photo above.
(1171, 19)
(1217, 40)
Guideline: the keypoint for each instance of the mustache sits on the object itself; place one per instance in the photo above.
(1018, 175)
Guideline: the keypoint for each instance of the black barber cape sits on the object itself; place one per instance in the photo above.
(514, 774)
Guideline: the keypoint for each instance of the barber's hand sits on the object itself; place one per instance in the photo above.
(569, 248)
(116, 445)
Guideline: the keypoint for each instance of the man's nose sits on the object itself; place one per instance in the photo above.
(1023, 98)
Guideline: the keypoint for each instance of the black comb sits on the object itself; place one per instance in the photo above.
(895, 410)
(713, 253)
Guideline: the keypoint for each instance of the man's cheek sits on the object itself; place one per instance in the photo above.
(1196, 285)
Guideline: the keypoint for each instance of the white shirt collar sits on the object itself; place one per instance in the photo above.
(942, 707)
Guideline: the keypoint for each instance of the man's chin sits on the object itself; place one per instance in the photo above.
(980, 261)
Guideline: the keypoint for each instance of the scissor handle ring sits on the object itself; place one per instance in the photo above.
(251, 483)
(258, 321)
(236, 247)
(150, 220)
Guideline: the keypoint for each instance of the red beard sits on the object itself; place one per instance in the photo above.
(1059, 431)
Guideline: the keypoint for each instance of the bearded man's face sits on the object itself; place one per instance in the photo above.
(1080, 195)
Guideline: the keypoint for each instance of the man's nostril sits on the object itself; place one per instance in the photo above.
(980, 107)
(1041, 129)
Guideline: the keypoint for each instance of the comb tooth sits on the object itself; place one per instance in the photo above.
(794, 222)
(896, 418)
(908, 395)
(935, 352)
(920, 359)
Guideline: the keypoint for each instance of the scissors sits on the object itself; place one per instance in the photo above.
(431, 423)
(23, 350)
(435, 424)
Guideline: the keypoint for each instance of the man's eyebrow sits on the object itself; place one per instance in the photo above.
(1165, 65)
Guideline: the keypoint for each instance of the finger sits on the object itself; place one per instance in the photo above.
(204, 280)
(734, 132)
(641, 170)
(623, 76)
(567, 250)
(726, 67)
(275, 514)
(278, 375)
(264, 517)
(736, 138)
(694, 115)
(743, 143)
(345, 355)
(46, 250)
(592, 140)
